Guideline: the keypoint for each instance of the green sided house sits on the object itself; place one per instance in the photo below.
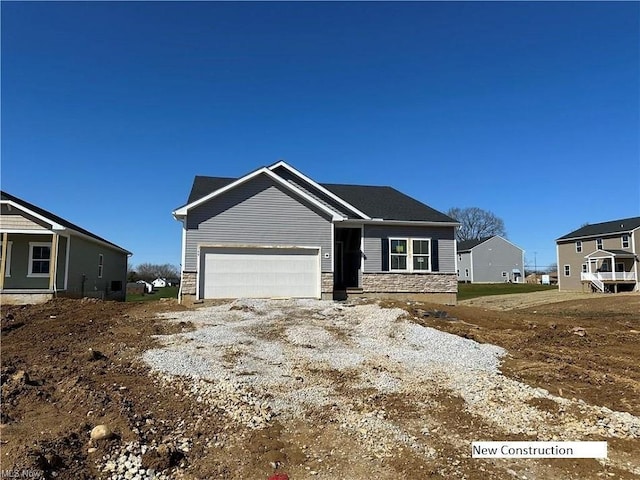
(44, 256)
(275, 232)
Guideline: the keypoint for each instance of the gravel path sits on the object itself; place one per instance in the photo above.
(256, 359)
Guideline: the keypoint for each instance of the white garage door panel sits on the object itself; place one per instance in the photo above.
(261, 273)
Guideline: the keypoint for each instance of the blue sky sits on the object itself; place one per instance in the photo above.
(529, 110)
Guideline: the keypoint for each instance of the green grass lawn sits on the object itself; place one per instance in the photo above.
(473, 290)
(166, 292)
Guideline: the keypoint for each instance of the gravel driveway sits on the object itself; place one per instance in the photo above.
(297, 360)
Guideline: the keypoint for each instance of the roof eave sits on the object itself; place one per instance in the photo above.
(325, 191)
(593, 235)
(54, 225)
(181, 212)
(380, 221)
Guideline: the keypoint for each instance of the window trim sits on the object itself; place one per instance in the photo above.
(466, 273)
(623, 241)
(585, 268)
(578, 246)
(409, 255)
(567, 270)
(30, 272)
(406, 254)
(100, 265)
(428, 255)
(599, 244)
(7, 265)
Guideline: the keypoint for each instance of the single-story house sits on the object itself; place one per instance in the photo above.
(275, 232)
(148, 287)
(43, 256)
(490, 260)
(160, 283)
(601, 257)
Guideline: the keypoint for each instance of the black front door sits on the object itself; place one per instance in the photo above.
(347, 259)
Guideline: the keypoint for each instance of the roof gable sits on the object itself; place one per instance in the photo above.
(182, 211)
(605, 228)
(466, 245)
(601, 253)
(319, 188)
(55, 220)
(368, 202)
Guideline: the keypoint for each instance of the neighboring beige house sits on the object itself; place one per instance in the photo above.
(43, 256)
(602, 257)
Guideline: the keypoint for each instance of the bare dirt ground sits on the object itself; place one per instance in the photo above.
(518, 301)
(355, 411)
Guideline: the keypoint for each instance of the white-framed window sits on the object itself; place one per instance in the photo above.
(504, 274)
(579, 246)
(584, 268)
(599, 244)
(410, 254)
(398, 253)
(39, 259)
(466, 272)
(421, 254)
(625, 241)
(567, 270)
(100, 264)
(7, 267)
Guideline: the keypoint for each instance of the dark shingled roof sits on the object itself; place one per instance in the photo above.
(377, 202)
(203, 186)
(386, 202)
(466, 245)
(617, 252)
(65, 223)
(614, 226)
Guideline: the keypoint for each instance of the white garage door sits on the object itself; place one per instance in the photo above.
(260, 272)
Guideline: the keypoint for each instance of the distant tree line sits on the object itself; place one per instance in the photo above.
(151, 271)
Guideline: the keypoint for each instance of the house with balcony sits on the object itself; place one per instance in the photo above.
(600, 257)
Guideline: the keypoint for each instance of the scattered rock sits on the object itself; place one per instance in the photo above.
(579, 331)
(101, 432)
(94, 355)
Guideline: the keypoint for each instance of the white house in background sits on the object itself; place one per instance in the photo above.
(147, 286)
(160, 283)
(490, 260)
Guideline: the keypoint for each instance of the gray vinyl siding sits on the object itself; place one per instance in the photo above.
(446, 255)
(83, 261)
(493, 257)
(376, 246)
(313, 192)
(258, 212)
(464, 267)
